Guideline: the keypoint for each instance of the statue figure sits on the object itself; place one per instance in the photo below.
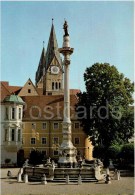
(65, 27)
(26, 163)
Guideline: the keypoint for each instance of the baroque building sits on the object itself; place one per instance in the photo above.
(41, 106)
(11, 127)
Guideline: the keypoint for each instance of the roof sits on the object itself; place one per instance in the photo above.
(52, 49)
(4, 91)
(11, 89)
(74, 91)
(39, 72)
(47, 107)
(39, 91)
(8, 90)
(14, 99)
(14, 89)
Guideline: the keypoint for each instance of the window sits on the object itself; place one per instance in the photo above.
(55, 153)
(33, 140)
(55, 125)
(33, 125)
(77, 125)
(77, 141)
(29, 90)
(43, 140)
(13, 113)
(56, 85)
(6, 135)
(55, 140)
(29, 83)
(59, 85)
(49, 93)
(53, 85)
(44, 125)
(19, 135)
(20, 113)
(13, 135)
(6, 113)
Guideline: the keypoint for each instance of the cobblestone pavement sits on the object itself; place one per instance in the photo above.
(11, 187)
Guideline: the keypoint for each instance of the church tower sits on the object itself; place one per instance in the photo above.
(49, 75)
(53, 71)
(39, 73)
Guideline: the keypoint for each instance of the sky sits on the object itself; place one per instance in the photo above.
(100, 31)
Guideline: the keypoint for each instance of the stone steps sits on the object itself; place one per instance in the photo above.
(126, 173)
(75, 180)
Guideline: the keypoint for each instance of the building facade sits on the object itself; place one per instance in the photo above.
(11, 127)
(40, 125)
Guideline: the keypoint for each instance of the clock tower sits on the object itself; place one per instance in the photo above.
(49, 75)
(53, 70)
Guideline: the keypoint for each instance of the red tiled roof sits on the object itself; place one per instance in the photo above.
(74, 91)
(47, 107)
(14, 89)
(3, 91)
(5, 83)
(39, 91)
(11, 89)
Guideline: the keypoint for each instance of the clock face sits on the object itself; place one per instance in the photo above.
(54, 69)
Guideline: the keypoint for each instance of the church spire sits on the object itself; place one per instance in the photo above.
(39, 73)
(52, 49)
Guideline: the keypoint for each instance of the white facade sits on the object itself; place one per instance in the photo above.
(11, 131)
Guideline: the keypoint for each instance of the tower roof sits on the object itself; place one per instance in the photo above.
(14, 99)
(52, 49)
(41, 65)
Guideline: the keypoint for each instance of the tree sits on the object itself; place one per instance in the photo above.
(99, 152)
(20, 158)
(35, 157)
(127, 152)
(105, 108)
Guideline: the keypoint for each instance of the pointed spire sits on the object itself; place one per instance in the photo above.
(41, 65)
(52, 49)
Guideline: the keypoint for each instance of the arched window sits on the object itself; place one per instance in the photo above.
(52, 85)
(56, 84)
(59, 85)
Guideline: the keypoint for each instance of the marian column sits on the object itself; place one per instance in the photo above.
(67, 152)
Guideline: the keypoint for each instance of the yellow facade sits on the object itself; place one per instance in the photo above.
(53, 136)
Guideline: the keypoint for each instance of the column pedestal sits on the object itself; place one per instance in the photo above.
(67, 152)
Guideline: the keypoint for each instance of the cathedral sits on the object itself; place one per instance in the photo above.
(32, 115)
